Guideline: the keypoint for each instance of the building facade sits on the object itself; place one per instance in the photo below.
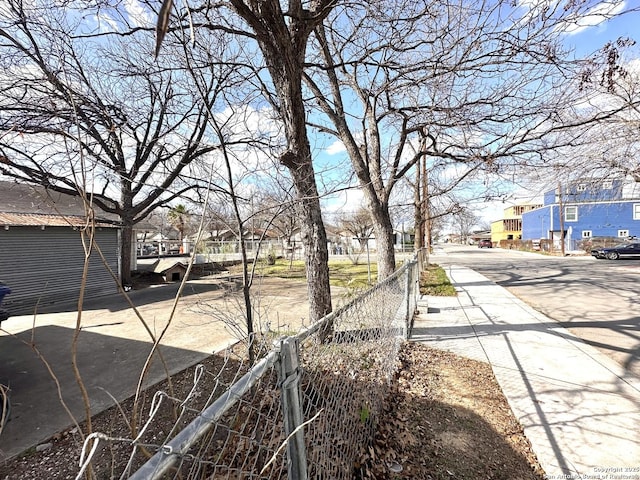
(509, 227)
(42, 256)
(584, 210)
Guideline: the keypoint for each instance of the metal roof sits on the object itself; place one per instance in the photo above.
(40, 220)
(32, 205)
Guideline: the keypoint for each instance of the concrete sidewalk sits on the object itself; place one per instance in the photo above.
(579, 409)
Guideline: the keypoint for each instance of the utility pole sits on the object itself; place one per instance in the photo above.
(427, 209)
(561, 215)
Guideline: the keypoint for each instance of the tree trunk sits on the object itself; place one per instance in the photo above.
(314, 240)
(417, 210)
(126, 217)
(283, 38)
(314, 237)
(425, 207)
(125, 253)
(384, 241)
(246, 293)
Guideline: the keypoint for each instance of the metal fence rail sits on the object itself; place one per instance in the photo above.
(309, 408)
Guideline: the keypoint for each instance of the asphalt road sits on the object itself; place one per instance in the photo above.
(596, 300)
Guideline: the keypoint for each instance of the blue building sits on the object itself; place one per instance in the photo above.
(590, 208)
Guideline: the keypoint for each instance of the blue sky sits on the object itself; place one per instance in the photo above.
(588, 37)
(595, 35)
(591, 35)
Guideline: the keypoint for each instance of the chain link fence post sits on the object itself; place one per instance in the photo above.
(412, 287)
(344, 373)
(291, 394)
(407, 301)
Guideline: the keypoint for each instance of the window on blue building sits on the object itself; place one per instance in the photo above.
(636, 211)
(571, 214)
(623, 233)
(586, 234)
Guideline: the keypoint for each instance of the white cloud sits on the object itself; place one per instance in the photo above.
(106, 23)
(240, 124)
(573, 23)
(242, 121)
(335, 148)
(634, 66)
(137, 13)
(344, 202)
(110, 20)
(595, 16)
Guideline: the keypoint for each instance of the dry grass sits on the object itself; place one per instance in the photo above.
(434, 281)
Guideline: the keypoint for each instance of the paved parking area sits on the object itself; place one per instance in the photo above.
(113, 345)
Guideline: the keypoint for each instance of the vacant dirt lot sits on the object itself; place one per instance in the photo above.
(114, 343)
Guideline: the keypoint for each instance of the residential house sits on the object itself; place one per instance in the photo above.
(586, 209)
(42, 255)
(509, 227)
(153, 242)
(225, 241)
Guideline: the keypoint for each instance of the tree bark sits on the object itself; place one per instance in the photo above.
(283, 38)
(384, 240)
(417, 209)
(125, 254)
(314, 239)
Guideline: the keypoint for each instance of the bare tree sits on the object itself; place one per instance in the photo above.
(278, 211)
(359, 225)
(464, 221)
(438, 189)
(96, 117)
(281, 31)
(611, 147)
(219, 218)
(178, 216)
(473, 82)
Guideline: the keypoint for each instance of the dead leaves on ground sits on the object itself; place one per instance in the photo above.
(448, 419)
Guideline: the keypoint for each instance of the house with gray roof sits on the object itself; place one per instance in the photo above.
(42, 254)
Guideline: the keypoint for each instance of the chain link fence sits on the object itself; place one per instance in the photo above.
(307, 409)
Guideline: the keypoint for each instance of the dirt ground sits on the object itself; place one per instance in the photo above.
(446, 419)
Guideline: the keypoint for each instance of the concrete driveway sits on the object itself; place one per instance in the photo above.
(113, 345)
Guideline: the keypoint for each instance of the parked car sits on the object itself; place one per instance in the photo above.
(485, 243)
(629, 250)
(4, 290)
